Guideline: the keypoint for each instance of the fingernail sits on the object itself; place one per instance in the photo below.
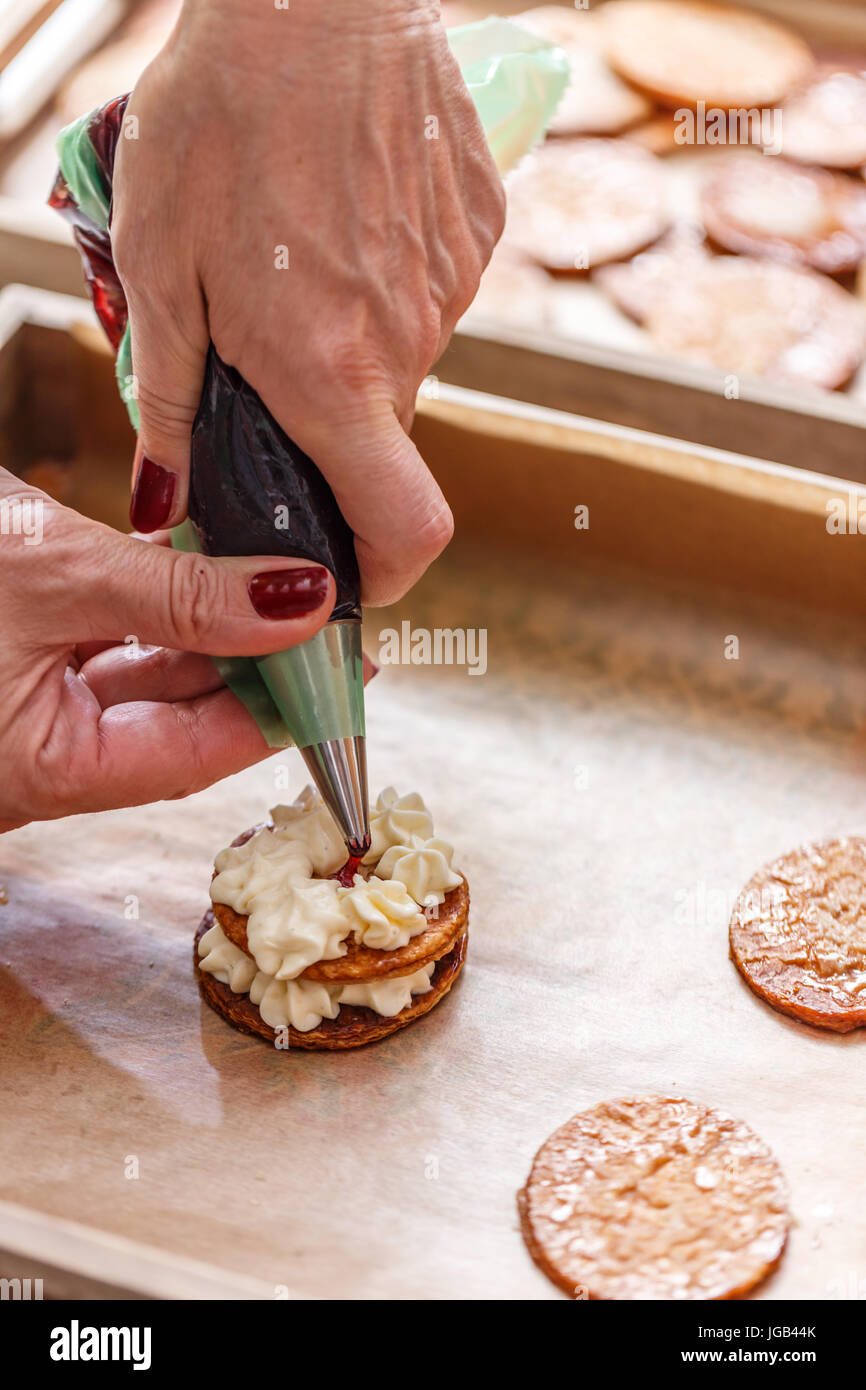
(152, 496)
(282, 594)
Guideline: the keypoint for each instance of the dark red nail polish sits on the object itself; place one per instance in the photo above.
(288, 593)
(152, 496)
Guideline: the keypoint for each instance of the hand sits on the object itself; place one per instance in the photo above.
(93, 715)
(301, 136)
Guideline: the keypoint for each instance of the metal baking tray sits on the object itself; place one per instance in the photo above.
(610, 781)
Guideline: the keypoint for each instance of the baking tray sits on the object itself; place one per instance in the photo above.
(610, 783)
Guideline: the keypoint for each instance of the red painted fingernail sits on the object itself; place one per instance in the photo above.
(282, 594)
(152, 496)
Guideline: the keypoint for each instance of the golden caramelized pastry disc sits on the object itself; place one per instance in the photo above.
(683, 53)
(596, 101)
(513, 291)
(824, 120)
(798, 934)
(760, 318)
(360, 962)
(635, 285)
(655, 1198)
(354, 1026)
(764, 206)
(575, 204)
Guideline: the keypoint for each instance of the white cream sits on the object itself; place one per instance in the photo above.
(425, 869)
(383, 914)
(297, 915)
(397, 820)
(302, 1004)
(225, 961)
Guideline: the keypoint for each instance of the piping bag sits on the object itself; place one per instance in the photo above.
(252, 490)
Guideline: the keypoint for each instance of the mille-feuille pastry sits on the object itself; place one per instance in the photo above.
(760, 318)
(683, 53)
(298, 953)
(655, 1198)
(765, 206)
(823, 121)
(575, 204)
(798, 934)
(596, 101)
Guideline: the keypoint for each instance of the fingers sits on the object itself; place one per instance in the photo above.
(158, 751)
(93, 584)
(129, 673)
(169, 338)
(154, 752)
(389, 498)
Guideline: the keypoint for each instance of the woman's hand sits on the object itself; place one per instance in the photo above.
(310, 187)
(106, 701)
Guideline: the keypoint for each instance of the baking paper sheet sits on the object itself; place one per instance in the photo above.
(610, 783)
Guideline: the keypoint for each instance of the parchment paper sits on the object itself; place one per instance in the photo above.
(610, 783)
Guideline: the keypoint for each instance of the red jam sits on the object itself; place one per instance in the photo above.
(346, 876)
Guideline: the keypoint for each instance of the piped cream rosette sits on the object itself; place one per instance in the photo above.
(296, 915)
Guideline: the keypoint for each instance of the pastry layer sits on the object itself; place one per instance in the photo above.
(354, 1025)
(363, 963)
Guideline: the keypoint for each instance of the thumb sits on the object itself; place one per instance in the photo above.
(388, 496)
(123, 588)
(169, 339)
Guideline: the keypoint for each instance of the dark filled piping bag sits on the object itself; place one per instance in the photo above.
(252, 490)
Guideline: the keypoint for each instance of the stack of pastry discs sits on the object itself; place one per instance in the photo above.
(798, 934)
(442, 944)
(576, 204)
(655, 1198)
(682, 53)
(769, 207)
(596, 101)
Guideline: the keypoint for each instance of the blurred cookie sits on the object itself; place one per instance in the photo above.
(765, 206)
(798, 934)
(682, 53)
(634, 285)
(655, 1198)
(513, 291)
(596, 101)
(575, 204)
(824, 120)
(761, 318)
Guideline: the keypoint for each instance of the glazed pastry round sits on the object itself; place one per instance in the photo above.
(760, 318)
(596, 101)
(575, 204)
(363, 963)
(798, 934)
(824, 120)
(764, 206)
(683, 53)
(354, 1025)
(635, 285)
(655, 1198)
